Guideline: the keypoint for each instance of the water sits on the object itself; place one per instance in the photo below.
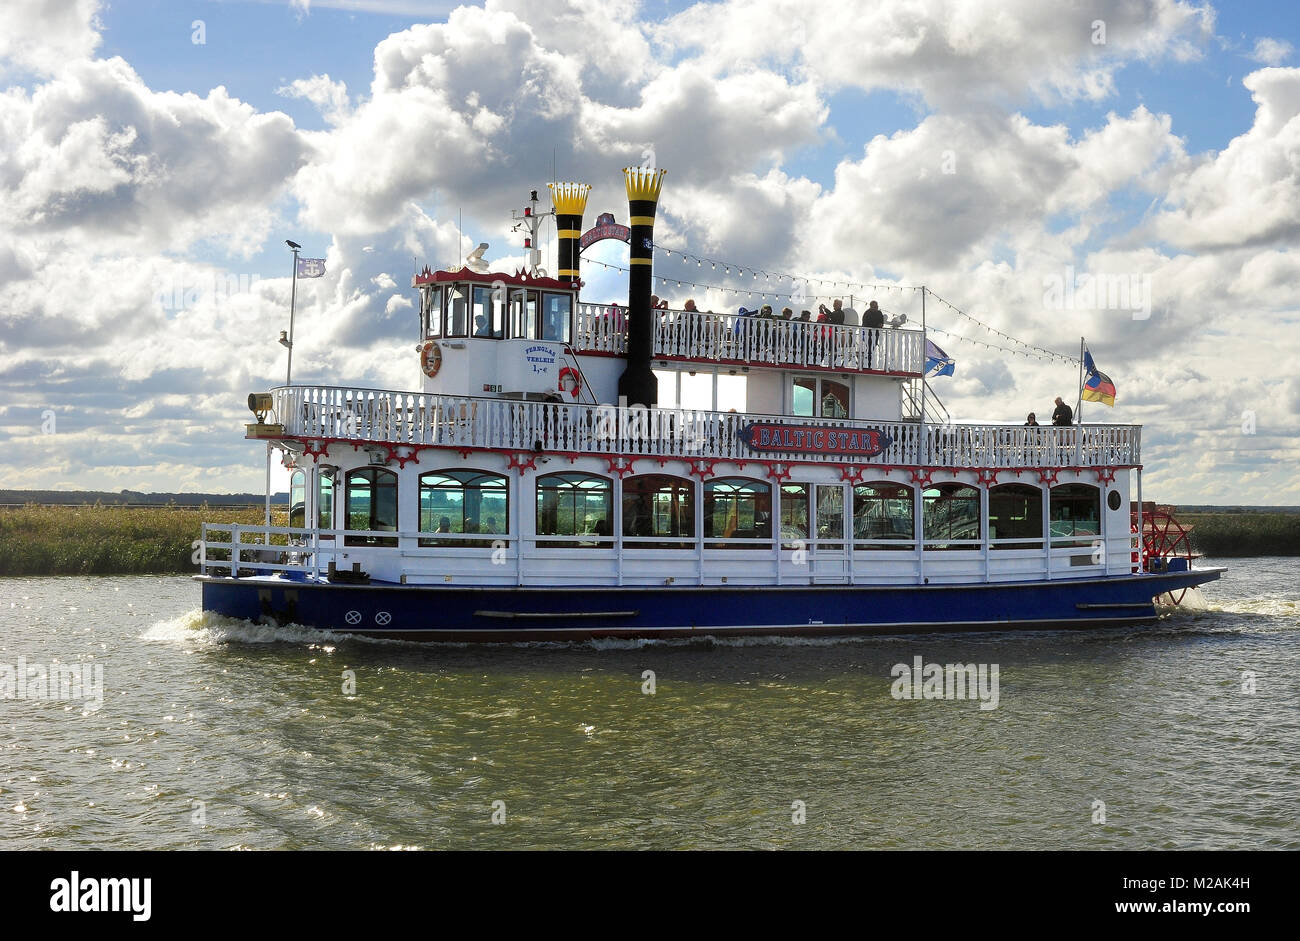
(217, 734)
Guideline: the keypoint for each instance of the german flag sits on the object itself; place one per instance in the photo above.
(1097, 386)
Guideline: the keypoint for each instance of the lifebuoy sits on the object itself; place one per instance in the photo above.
(430, 358)
(572, 374)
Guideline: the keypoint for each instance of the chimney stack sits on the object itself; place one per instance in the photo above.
(570, 200)
(638, 385)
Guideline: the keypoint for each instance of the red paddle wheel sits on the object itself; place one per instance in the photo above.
(1163, 538)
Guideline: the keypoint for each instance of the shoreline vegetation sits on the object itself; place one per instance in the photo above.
(158, 539)
(112, 539)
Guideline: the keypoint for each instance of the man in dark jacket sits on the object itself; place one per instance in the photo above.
(1063, 415)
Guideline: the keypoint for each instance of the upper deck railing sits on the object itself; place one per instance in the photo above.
(758, 341)
(421, 419)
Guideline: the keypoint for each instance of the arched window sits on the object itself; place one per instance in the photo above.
(371, 505)
(1075, 514)
(1015, 512)
(298, 500)
(659, 505)
(951, 513)
(575, 505)
(462, 502)
(883, 511)
(737, 508)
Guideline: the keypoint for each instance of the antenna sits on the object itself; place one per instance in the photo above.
(460, 241)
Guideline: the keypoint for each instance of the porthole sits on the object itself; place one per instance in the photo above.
(1114, 500)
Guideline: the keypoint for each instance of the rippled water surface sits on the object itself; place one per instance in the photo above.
(220, 734)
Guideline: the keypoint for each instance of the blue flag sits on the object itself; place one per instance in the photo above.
(311, 267)
(937, 362)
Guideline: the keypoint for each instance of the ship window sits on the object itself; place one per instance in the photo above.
(325, 502)
(463, 502)
(1016, 512)
(1075, 512)
(372, 506)
(523, 315)
(457, 313)
(487, 313)
(659, 505)
(883, 511)
(951, 513)
(830, 515)
(794, 512)
(297, 500)
(557, 312)
(433, 312)
(737, 508)
(575, 505)
(812, 397)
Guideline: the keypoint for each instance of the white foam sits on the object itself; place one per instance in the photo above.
(209, 628)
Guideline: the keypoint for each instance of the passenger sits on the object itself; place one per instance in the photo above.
(805, 316)
(444, 524)
(471, 525)
(787, 313)
(1063, 415)
(601, 528)
(831, 316)
(873, 316)
(1032, 420)
(690, 306)
(491, 526)
(765, 312)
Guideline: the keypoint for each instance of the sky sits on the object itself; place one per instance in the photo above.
(154, 156)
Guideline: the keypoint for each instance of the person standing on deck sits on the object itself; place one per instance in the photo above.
(1063, 414)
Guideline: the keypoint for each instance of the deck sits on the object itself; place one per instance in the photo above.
(408, 421)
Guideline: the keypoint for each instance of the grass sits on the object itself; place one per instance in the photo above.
(110, 540)
(1227, 535)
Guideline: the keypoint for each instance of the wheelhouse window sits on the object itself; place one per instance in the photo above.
(297, 500)
(575, 505)
(557, 315)
(433, 311)
(951, 516)
(487, 313)
(1075, 514)
(371, 506)
(1015, 512)
(463, 502)
(523, 315)
(659, 505)
(737, 508)
(883, 511)
(794, 512)
(325, 501)
(815, 397)
(457, 311)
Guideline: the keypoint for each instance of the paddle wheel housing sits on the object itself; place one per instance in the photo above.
(1161, 538)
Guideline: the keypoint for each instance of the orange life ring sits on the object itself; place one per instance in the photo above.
(572, 374)
(430, 358)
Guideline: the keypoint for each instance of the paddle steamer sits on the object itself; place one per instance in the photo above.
(546, 482)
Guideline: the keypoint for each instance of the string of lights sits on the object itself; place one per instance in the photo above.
(728, 267)
(1045, 354)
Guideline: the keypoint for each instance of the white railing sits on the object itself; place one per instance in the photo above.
(680, 334)
(231, 549)
(402, 419)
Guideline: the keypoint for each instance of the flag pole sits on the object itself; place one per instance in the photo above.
(923, 339)
(1078, 407)
(293, 300)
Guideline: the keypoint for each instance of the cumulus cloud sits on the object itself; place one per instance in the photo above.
(1269, 51)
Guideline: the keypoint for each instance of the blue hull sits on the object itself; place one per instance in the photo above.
(496, 613)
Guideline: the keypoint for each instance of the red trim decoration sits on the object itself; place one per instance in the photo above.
(1105, 475)
(922, 476)
(702, 467)
(1048, 476)
(852, 474)
(615, 467)
(517, 460)
(777, 471)
(987, 476)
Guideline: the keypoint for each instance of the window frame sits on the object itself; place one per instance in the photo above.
(388, 542)
(549, 540)
(464, 476)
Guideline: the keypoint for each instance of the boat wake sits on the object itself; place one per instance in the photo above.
(209, 629)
